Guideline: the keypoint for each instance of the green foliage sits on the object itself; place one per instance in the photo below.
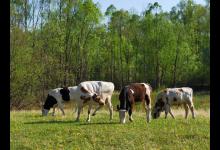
(62, 43)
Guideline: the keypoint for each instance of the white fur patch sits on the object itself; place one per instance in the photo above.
(132, 91)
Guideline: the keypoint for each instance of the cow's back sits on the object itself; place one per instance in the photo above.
(98, 87)
(106, 87)
(139, 91)
(187, 93)
(55, 92)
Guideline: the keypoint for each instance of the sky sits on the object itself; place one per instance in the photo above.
(139, 5)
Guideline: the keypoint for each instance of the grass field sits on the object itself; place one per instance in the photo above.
(28, 130)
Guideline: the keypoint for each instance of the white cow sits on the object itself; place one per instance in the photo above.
(88, 92)
(174, 96)
(100, 92)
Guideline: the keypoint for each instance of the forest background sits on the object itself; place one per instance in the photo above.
(55, 43)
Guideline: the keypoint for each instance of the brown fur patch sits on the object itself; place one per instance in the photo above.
(83, 90)
(139, 95)
(165, 91)
(181, 90)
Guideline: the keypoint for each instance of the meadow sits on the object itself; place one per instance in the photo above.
(29, 130)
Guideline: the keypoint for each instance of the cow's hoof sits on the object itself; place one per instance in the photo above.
(88, 120)
(130, 119)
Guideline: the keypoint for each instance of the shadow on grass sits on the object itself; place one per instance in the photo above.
(70, 121)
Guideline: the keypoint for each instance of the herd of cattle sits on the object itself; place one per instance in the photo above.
(99, 93)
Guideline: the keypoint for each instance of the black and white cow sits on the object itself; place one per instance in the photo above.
(56, 98)
(90, 93)
(173, 96)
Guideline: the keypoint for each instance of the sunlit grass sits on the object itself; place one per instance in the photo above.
(29, 130)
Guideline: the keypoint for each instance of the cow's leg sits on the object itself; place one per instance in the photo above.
(171, 113)
(60, 105)
(110, 107)
(166, 110)
(130, 115)
(148, 107)
(79, 107)
(54, 107)
(130, 110)
(89, 111)
(75, 108)
(97, 108)
(186, 110)
(191, 106)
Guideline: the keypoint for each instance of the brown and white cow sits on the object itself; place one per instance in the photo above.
(173, 96)
(129, 95)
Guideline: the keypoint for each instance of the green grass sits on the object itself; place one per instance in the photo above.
(28, 130)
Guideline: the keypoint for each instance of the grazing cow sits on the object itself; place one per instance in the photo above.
(173, 96)
(100, 92)
(88, 92)
(55, 98)
(135, 92)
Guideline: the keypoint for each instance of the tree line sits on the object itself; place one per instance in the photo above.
(64, 42)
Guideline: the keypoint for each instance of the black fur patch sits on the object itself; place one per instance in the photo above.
(124, 99)
(65, 94)
(50, 101)
(147, 99)
(174, 99)
(159, 104)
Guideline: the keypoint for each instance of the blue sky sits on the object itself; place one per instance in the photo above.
(140, 5)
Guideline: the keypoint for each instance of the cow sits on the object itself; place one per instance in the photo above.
(56, 98)
(173, 96)
(135, 92)
(86, 93)
(100, 92)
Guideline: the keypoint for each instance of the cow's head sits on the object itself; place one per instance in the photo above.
(50, 101)
(124, 103)
(45, 112)
(158, 108)
(122, 115)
